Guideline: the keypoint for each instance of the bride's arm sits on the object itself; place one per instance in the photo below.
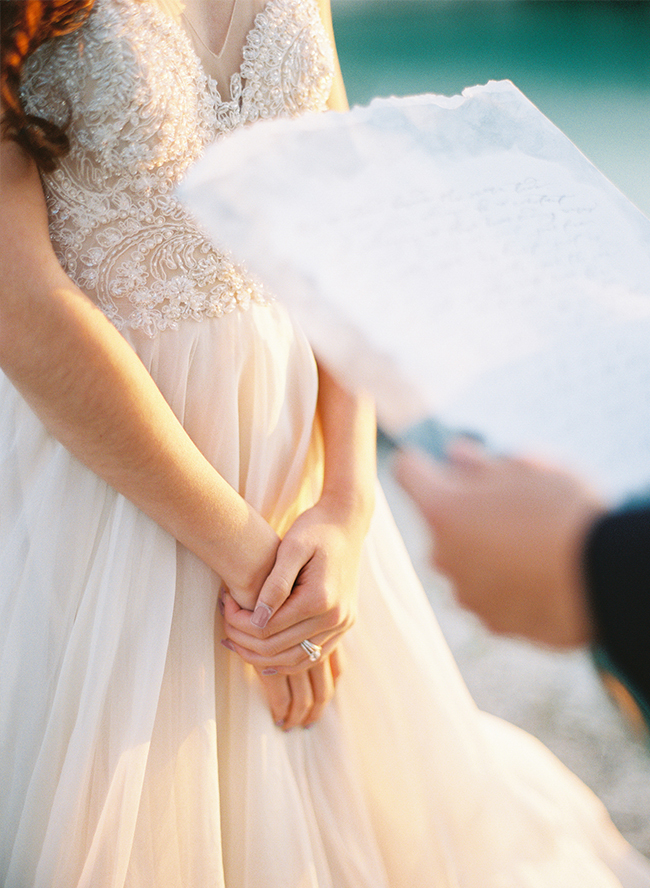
(92, 392)
(338, 100)
(349, 429)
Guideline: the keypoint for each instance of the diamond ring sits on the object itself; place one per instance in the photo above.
(313, 651)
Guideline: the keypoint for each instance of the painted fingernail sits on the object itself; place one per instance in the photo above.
(261, 615)
(269, 671)
(227, 643)
(221, 605)
(279, 723)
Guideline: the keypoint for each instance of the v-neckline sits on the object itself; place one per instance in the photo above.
(250, 34)
(226, 38)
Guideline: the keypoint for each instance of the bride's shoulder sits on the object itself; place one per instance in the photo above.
(116, 80)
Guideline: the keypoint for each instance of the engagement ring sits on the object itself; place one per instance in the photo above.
(313, 651)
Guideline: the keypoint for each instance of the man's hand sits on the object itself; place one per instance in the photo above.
(509, 533)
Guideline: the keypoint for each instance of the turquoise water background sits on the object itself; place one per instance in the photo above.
(586, 65)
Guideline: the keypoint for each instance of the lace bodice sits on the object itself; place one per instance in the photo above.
(141, 110)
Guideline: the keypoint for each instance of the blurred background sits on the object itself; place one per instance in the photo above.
(586, 65)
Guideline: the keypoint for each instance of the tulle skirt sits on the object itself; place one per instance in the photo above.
(137, 751)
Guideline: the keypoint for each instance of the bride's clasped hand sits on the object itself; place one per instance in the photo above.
(309, 598)
(310, 595)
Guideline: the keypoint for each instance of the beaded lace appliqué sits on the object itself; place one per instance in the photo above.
(141, 111)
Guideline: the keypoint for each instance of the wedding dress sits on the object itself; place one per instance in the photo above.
(136, 750)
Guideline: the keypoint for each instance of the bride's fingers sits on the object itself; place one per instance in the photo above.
(336, 662)
(277, 587)
(302, 700)
(284, 649)
(288, 662)
(322, 685)
(278, 694)
(236, 627)
(290, 625)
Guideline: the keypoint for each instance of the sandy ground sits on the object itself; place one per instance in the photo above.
(556, 697)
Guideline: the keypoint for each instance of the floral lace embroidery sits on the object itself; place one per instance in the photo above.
(141, 110)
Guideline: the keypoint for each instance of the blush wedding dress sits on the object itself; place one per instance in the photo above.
(135, 750)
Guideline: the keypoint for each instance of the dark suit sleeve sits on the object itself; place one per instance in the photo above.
(617, 570)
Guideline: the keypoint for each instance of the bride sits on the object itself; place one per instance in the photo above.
(196, 562)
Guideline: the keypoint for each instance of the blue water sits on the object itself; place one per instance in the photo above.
(586, 65)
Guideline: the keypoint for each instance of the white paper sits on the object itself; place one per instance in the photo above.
(463, 245)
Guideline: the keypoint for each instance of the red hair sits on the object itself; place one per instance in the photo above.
(25, 25)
